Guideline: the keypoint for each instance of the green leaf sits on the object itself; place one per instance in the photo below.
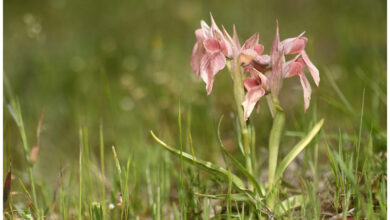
(289, 204)
(208, 166)
(237, 163)
(297, 149)
(274, 142)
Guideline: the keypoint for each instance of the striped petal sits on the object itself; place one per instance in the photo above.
(210, 65)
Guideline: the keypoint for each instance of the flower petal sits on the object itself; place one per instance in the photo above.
(210, 65)
(253, 95)
(197, 54)
(211, 45)
(250, 83)
(293, 67)
(199, 33)
(277, 60)
(251, 42)
(306, 90)
(294, 45)
(261, 78)
(235, 37)
(263, 60)
(229, 48)
(275, 46)
(214, 28)
(259, 48)
(312, 69)
(206, 29)
(246, 56)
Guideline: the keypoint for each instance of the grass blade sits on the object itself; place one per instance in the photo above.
(35, 149)
(289, 204)
(239, 197)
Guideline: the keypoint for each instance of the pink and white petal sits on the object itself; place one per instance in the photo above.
(232, 47)
(236, 40)
(263, 59)
(211, 45)
(218, 62)
(250, 100)
(312, 69)
(197, 54)
(211, 64)
(263, 78)
(277, 60)
(247, 55)
(256, 75)
(199, 33)
(299, 45)
(204, 25)
(206, 29)
(294, 45)
(226, 35)
(259, 48)
(226, 47)
(206, 72)
(214, 27)
(293, 68)
(306, 90)
(275, 45)
(251, 42)
(250, 83)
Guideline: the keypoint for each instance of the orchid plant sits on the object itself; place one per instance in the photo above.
(255, 75)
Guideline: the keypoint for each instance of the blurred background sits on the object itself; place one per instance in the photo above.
(126, 65)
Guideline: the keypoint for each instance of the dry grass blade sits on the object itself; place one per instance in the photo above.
(7, 187)
(35, 149)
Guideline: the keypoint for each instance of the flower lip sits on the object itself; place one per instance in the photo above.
(212, 45)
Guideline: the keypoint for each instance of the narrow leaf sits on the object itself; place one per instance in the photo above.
(236, 162)
(297, 149)
(208, 166)
(274, 142)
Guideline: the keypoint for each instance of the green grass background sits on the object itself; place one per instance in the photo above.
(125, 64)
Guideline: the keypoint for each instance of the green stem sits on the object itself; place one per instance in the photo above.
(102, 170)
(33, 190)
(238, 89)
(239, 93)
(274, 141)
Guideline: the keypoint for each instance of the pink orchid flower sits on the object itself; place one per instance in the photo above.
(282, 69)
(256, 87)
(256, 84)
(276, 69)
(295, 67)
(209, 53)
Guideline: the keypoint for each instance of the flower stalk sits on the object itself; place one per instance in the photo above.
(239, 93)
